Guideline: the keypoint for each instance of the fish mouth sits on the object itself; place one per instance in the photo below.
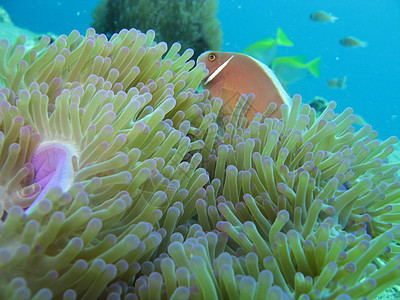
(218, 70)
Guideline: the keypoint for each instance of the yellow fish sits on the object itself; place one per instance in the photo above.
(290, 69)
(233, 74)
(265, 49)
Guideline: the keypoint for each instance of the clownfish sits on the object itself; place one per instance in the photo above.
(233, 74)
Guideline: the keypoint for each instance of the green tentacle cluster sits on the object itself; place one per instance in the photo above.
(153, 196)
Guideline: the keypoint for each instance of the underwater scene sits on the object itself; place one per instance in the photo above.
(177, 149)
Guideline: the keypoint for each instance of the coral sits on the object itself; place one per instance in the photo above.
(4, 16)
(119, 183)
(192, 23)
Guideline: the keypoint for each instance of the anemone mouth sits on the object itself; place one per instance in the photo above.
(52, 166)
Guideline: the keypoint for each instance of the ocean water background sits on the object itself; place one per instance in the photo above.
(373, 72)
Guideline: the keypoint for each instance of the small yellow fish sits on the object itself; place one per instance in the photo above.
(265, 49)
(233, 74)
(322, 16)
(293, 68)
(352, 42)
(337, 83)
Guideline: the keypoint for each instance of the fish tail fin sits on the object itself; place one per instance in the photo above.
(282, 39)
(333, 19)
(342, 82)
(313, 66)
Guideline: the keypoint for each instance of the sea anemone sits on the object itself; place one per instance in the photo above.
(119, 181)
(314, 199)
(84, 148)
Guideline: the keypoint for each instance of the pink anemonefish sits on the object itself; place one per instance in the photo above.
(233, 74)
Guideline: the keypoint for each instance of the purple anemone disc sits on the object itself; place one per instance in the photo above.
(53, 167)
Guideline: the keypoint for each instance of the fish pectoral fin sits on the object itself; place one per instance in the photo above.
(231, 106)
(230, 99)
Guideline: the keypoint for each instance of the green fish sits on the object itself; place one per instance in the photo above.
(265, 49)
(290, 69)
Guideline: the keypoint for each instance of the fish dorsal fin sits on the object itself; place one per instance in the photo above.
(278, 85)
(282, 39)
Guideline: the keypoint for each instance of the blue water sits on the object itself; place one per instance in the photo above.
(373, 73)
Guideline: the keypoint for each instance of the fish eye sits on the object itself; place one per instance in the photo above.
(211, 57)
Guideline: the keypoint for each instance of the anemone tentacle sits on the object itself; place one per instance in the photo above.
(119, 179)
